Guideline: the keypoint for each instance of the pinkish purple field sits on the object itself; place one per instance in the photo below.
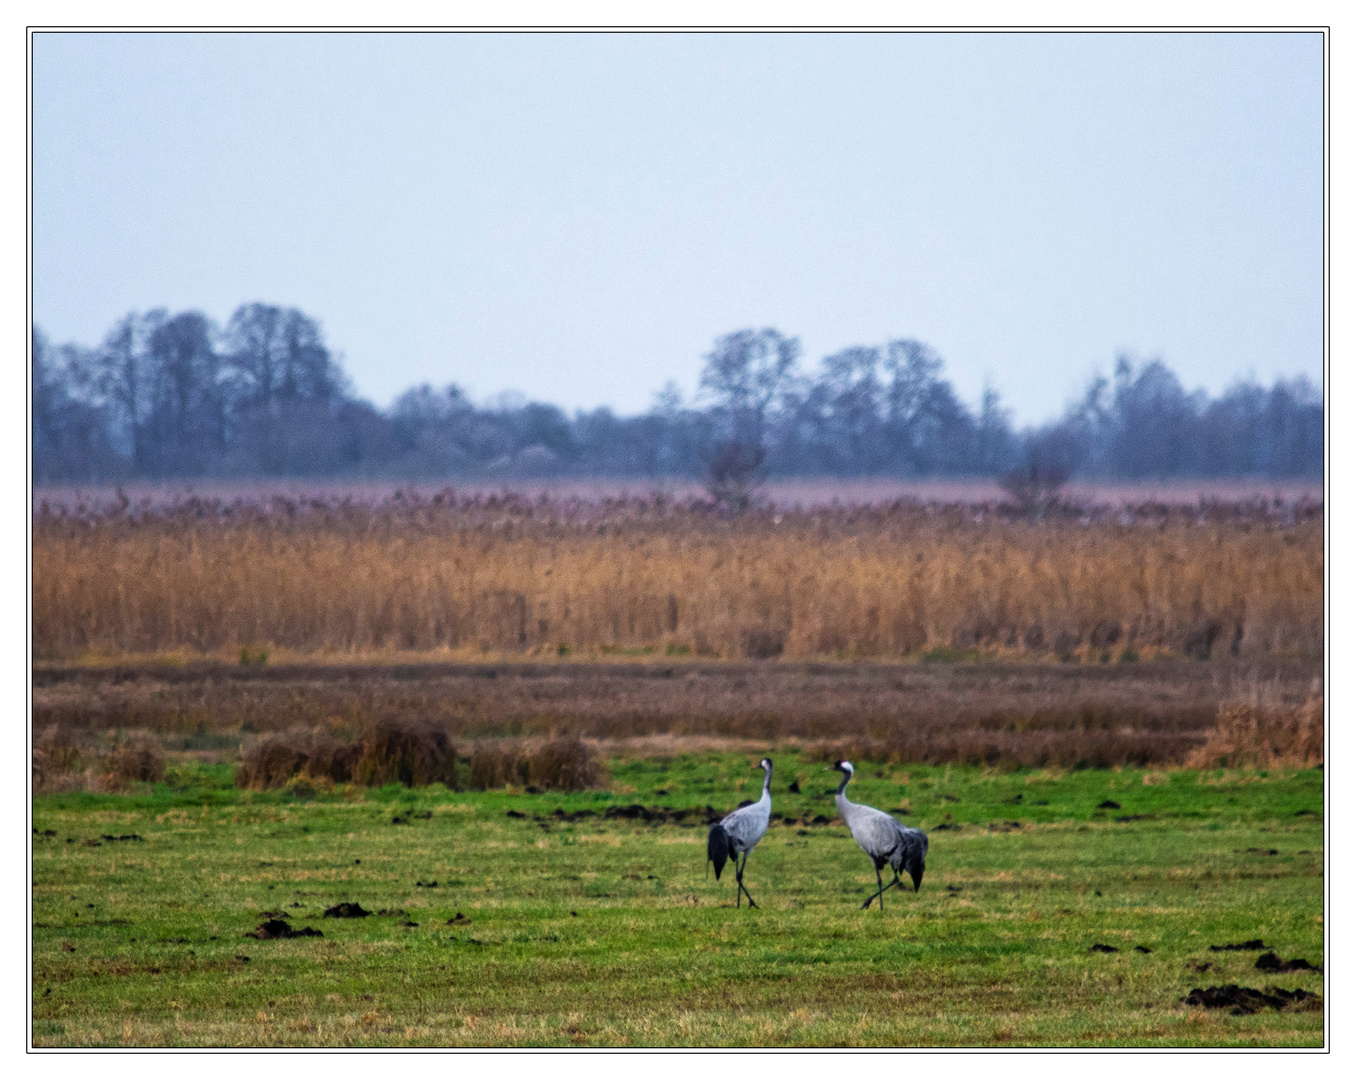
(787, 493)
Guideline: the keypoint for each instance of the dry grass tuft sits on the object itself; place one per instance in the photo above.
(140, 761)
(410, 751)
(562, 764)
(565, 765)
(55, 753)
(497, 764)
(1253, 733)
(64, 760)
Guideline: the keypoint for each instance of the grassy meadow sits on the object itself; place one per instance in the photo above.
(1108, 720)
(552, 927)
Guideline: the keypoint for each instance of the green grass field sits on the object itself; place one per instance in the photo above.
(605, 932)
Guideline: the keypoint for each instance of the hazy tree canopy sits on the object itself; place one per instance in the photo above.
(175, 396)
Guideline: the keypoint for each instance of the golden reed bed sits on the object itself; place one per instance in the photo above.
(502, 575)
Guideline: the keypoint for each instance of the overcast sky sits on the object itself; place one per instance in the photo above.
(576, 217)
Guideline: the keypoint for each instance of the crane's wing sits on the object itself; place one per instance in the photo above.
(745, 827)
(717, 847)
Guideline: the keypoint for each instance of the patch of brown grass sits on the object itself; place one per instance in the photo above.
(409, 751)
(67, 759)
(141, 761)
(1264, 735)
(55, 753)
(565, 765)
(322, 720)
(561, 764)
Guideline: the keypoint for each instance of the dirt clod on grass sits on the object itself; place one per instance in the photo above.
(1100, 947)
(1269, 961)
(1254, 945)
(1242, 1000)
(277, 928)
(347, 910)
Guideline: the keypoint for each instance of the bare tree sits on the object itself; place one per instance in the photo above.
(745, 371)
(1047, 463)
(734, 473)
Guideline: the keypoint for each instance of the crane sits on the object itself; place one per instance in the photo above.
(881, 837)
(737, 833)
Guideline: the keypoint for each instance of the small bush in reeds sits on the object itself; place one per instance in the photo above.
(276, 759)
(563, 764)
(55, 753)
(495, 765)
(1256, 734)
(64, 762)
(141, 761)
(271, 762)
(410, 751)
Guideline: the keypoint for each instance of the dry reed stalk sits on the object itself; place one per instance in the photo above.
(844, 583)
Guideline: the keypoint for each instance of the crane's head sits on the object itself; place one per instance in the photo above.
(844, 767)
(765, 763)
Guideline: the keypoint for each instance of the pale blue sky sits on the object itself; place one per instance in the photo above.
(577, 216)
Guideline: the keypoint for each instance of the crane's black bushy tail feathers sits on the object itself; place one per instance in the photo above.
(914, 865)
(717, 848)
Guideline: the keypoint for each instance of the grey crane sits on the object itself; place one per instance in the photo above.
(737, 832)
(881, 837)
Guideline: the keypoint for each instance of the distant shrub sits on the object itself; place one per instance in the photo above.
(1260, 735)
(141, 761)
(566, 764)
(276, 759)
(494, 765)
(409, 751)
(270, 762)
(55, 753)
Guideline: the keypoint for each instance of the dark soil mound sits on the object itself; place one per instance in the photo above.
(1271, 962)
(347, 911)
(277, 928)
(1255, 945)
(1241, 1000)
(1099, 947)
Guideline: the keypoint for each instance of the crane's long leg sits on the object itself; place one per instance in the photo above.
(887, 888)
(740, 879)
